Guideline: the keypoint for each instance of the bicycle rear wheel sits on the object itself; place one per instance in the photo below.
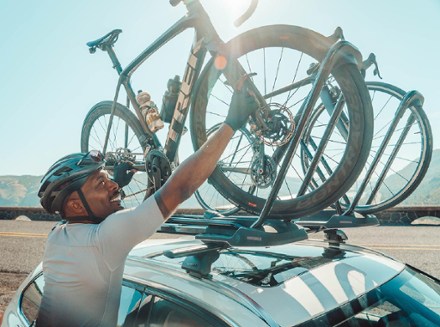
(124, 144)
(282, 55)
(397, 175)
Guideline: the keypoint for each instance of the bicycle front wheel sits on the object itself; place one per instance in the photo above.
(124, 143)
(277, 59)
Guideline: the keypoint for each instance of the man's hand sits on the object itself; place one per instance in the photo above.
(243, 104)
(123, 173)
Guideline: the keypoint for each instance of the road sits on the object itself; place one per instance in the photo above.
(22, 244)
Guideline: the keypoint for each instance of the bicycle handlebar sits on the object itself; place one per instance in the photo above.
(248, 13)
(367, 63)
(240, 20)
(175, 2)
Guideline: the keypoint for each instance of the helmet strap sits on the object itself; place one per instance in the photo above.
(90, 213)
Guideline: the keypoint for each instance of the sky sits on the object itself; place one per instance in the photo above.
(49, 81)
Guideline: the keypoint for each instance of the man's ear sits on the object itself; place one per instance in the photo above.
(74, 208)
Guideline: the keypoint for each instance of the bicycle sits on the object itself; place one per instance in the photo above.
(207, 88)
(400, 153)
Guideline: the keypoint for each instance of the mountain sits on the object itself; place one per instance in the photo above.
(428, 192)
(20, 191)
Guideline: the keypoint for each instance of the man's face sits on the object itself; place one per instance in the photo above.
(102, 194)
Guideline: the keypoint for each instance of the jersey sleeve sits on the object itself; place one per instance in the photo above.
(122, 230)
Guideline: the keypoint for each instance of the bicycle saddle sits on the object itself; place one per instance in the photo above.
(109, 38)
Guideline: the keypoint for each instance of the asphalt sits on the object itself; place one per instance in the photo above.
(22, 243)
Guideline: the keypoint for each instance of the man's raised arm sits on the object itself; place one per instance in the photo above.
(193, 171)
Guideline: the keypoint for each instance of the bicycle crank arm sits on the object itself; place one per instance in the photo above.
(246, 171)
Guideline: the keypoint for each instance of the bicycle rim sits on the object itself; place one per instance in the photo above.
(281, 56)
(124, 144)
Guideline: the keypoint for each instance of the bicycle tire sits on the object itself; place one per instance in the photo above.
(125, 140)
(207, 196)
(305, 44)
(411, 163)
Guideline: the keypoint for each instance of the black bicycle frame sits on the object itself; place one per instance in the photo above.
(205, 38)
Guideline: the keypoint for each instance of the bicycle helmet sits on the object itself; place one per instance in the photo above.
(65, 176)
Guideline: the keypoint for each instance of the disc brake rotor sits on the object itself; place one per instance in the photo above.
(280, 123)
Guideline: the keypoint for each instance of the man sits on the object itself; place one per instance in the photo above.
(84, 258)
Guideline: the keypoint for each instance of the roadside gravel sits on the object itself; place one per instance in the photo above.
(9, 282)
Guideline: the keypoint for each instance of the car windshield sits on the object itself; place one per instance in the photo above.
(265, 268)
(409, 299)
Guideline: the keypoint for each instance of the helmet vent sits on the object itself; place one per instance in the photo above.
(62, 171)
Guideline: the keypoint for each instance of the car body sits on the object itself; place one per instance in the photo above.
(304, 283)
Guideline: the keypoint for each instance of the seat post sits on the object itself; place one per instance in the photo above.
(116, 64)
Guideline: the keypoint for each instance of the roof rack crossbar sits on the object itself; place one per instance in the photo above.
(198, 259)
(193, 250)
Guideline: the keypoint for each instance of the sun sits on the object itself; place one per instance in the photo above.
(225, 12)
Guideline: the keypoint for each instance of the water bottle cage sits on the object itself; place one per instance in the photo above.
(169, 99)
(168, 105)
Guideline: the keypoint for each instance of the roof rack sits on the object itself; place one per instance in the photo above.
(223, 232)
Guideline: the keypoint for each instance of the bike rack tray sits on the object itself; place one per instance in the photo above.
(272, 233)
(236, 231)
(330, 219)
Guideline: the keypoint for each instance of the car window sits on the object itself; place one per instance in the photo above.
(31, 299)
(128, 307)
(410, 299)
(156, 311)
(32, 295)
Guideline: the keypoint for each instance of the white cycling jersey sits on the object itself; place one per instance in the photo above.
(83, 266)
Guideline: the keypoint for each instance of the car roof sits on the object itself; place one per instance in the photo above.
(307, 277)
